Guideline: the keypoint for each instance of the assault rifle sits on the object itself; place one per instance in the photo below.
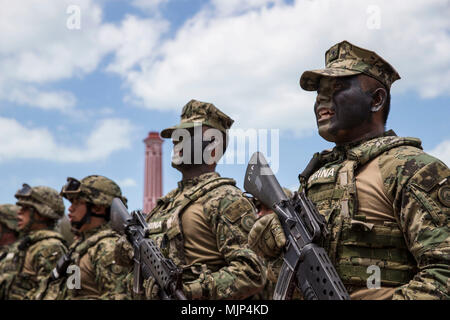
(306, 264)
(60, 270)
(148, 259)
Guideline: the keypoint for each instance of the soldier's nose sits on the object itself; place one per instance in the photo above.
(321, 97)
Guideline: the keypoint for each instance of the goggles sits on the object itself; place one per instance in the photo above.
(72, 186)
(25, 191)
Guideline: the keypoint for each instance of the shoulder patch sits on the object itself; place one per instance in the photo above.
(237, 209)
(444, 195)
(247, 222)
(116, 269)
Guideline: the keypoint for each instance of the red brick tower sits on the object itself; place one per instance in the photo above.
(153, 170)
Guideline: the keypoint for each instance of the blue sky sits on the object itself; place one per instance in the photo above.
(75, 102)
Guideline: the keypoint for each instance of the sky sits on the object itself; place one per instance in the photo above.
(82, 82)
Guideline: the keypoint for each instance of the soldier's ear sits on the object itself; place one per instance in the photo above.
(379, 97)
(98, 209)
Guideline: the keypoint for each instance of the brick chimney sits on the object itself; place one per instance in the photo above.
(153, 170)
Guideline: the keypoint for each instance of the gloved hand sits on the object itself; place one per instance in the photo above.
(266, 237)
(192, 290)
(123, 252)
(201, 288)
(151, 289)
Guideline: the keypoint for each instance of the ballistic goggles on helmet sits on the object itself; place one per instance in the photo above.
(25, 191)
(73, 186)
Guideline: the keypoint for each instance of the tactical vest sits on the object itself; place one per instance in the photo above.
(353, 244)
(165, 224)
(19, 283)
(58, 289)
(83, 247)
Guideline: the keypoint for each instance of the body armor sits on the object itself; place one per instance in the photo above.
(354, 244)
(18, 283)
(165, 223)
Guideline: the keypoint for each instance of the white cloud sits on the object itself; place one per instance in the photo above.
(20, 142)
(30, 96)
(127, 183)
(36, 45)
(248, 63)
(38, 49)
(150, 6)
(134, 40)
(228, 7)
(442, 152)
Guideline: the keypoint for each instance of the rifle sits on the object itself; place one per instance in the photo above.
(60, 270)
(148, 259)
(306, 264)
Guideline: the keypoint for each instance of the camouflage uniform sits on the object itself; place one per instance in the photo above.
(203, 224)
(8, 219)
(33, 256)
(386, 202)
(93, 251)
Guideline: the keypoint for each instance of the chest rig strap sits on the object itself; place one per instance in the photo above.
(172, 242)
(347, 181)
(19, 283)
(30, 240)
(83, 246)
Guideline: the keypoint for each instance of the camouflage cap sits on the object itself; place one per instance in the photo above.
(8, 215)
(47, 201)
(97, 190)
(345, 59)
(200, 112)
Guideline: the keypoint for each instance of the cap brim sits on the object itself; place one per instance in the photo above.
(167, 133)
(309, 80)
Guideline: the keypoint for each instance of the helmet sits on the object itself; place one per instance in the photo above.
(94, 189)
(46, 201)
(8, 215)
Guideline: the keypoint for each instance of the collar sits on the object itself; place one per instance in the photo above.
(349, 146)
(189, 183)
(88, 233)
(340, 152)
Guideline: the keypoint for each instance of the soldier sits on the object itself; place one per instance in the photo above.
(32, 257)
(203, 224)
(8, 228)
(91, 256)
(386, 202)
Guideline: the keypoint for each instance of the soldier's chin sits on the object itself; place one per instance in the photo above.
(324, 132)
(179, 166)
(75, 230)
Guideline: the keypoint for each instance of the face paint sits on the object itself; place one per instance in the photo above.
(341, 106)
(189, 152)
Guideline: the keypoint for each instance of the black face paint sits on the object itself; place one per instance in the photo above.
(341, 106)
(189, 152)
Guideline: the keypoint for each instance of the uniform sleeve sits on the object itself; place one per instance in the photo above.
(5, 275)
(422, 207)
(231, 217)
(44, 259)
(110, 277)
